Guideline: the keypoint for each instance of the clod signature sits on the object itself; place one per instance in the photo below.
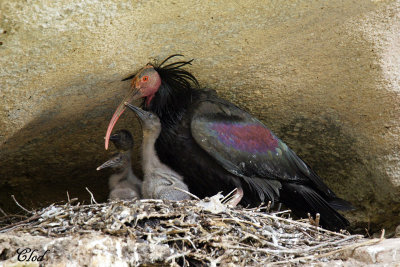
(28, 254)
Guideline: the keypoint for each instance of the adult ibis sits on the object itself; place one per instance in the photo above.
(217, 146)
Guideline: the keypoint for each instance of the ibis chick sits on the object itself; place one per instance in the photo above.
(159, 181)
(123, 184)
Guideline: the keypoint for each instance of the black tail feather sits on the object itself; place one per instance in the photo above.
(341, 204)
(303, 199)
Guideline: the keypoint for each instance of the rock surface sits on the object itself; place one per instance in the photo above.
(324, 76)
(387, 251)
(91, 250)
(98, 249)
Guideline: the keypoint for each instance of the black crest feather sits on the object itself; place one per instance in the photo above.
(176, 88)
(174, 76)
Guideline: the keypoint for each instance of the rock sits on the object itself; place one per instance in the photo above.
(107, 250)
(387, 251)
(324, 76)
(89, 249)
(397, 231)
(384, 253)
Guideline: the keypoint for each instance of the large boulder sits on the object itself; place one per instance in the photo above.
(323, 75)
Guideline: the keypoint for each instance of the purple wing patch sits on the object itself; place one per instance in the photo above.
(252, 138)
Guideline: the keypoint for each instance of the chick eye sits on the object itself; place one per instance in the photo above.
(145, 78)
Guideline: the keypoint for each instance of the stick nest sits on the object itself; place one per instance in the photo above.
(197, 232)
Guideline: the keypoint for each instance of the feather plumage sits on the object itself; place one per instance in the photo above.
(217, 146)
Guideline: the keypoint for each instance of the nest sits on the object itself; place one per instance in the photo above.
(197, 232)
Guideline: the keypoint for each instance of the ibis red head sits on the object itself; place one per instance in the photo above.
(153, 79)
(144, 85)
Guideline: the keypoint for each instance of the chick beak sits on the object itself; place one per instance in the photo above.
(106, 164)
(137, 110)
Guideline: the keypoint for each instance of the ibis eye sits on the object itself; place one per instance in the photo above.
(145, 78)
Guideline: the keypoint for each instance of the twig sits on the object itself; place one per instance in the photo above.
(281, 212)
(91, 197)
(19, 205)
(181, 239)
(228, 196)
(170, 258)
(34, 217)
(187, 192)
(264, 240)
(317, 219)
(313, 221)
(131, 234)
(72, 200)
(151, 201)
(12, 216)
(268, 208)
(300, 223)
(330, 253)
(238, 221)
(2, 211)
(254, 249)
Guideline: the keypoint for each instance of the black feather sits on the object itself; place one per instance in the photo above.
(182, 63)
(129, 77)
(303, 199)
(176, 88)
(168, 58)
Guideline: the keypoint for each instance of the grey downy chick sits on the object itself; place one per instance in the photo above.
(159, 182)
(123, 184)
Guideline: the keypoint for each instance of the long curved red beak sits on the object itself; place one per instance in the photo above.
(133, 95)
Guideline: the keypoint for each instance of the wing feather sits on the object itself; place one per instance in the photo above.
(247, 148)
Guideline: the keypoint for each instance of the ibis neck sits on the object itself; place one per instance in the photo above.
(149, 155)
(126, 169)
(129, 172)
(168, 105)
(118, 177)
